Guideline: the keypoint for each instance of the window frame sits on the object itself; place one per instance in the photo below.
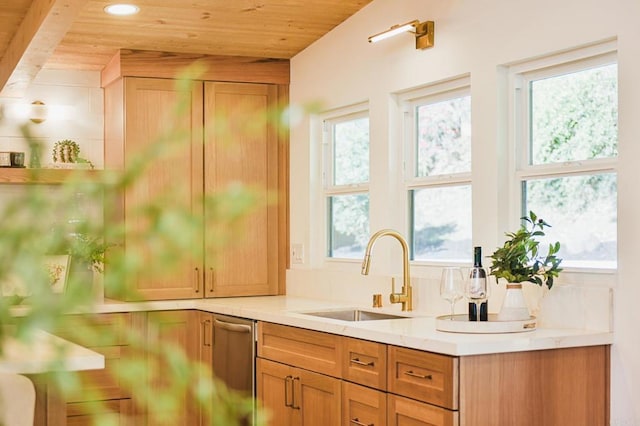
(329, 189)
(520, 76)
(456, 87)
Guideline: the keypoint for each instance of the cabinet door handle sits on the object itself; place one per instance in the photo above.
(211, 278)
(359, 423)
(366, 364)
(293, 400)
(197, 272)
(419, 376)
(206, 333)
(288, 380)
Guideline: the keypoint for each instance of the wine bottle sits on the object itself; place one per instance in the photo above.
(477, 291)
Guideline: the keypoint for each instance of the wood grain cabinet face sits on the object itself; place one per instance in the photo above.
(308, 349)
(363, 406)
(408, 412)
(294, 396)
(222, 136)
(423, 376)
(101, 394)
(241, 147)
(365, 362)
(116, 412)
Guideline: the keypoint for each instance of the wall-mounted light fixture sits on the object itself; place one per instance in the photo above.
(38, 112)
(424, 32)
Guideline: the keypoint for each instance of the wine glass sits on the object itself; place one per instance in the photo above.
(452, 286)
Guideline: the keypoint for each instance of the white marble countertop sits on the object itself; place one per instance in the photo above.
(45, 352)
(416, 331)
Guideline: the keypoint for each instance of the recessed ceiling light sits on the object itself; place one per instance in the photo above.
(122, 9)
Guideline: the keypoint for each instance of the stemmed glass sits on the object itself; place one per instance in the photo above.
(452, 286)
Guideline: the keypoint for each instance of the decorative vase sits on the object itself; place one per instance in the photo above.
(514, 307)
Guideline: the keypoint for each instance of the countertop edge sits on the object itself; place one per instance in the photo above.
(416, 332)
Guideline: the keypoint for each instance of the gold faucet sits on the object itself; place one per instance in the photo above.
(406, 297)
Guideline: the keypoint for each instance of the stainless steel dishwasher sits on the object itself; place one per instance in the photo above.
(234, 350)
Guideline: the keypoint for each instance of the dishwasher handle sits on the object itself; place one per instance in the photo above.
(229, 326)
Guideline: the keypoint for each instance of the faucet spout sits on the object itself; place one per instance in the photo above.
(406, 297)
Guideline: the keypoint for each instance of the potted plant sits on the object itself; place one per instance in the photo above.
(67, 152)
(520, 260)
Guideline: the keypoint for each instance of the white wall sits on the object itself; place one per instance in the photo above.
(477, 37)
(80, 95)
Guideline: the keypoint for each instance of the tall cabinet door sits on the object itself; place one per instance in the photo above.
(241, 150)
(163, 123)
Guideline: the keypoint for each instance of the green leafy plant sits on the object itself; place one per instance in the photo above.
(519, 259)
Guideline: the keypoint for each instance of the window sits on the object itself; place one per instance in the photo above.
(568, 144)
(439, 172)
(346, 181)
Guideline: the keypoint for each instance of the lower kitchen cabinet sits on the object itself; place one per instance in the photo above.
(170, 329)
(294, 396)
(116, 412)
(553, 387)
(363, 406)
(408, 412)
(102, 392)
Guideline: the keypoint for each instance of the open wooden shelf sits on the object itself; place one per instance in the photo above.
(42, 176)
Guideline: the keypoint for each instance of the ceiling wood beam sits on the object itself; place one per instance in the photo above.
(43, 27)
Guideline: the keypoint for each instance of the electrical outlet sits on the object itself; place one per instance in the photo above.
(297, 253)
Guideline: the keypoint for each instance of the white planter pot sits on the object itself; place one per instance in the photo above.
(514, 307)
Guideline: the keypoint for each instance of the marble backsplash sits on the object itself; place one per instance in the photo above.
(574, 304)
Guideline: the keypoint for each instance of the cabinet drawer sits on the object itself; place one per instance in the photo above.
(424, 376)
(115, 412)
(308, 349)
(363, 406)
(104, 383)
(365, 363)
(407, 412)
(96, 330)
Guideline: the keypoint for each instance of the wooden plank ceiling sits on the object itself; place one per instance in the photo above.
(78, 34)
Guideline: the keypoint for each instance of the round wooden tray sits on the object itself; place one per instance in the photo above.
(461, 324)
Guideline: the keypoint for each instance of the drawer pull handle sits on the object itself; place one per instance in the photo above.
(359, 423)
(366, 364)
(419, 376)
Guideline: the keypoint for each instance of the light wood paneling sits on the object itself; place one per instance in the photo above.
(170, 142)
(363, 406)
(141, 63)
(241, 147)
(424, 376)
(312, 350)
(44, 176)
(77, 34)
(408, 412)
(42, 28)
(552, 388)
(365, 362)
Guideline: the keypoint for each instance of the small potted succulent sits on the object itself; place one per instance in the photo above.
(520, 260)
(67, 152)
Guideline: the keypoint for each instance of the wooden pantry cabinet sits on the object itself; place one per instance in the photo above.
(204, 138)
(390, 385)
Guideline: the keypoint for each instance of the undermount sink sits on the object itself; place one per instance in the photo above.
(353, 315)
